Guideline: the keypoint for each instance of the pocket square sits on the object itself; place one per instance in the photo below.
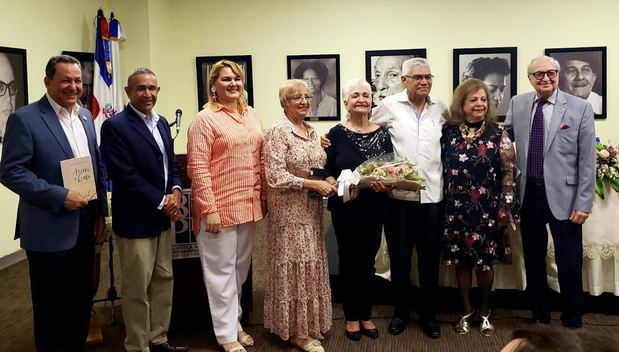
(565, 127)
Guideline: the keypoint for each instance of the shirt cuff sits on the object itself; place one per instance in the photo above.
(161, 204)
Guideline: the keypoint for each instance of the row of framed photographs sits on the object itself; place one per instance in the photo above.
(583, 73)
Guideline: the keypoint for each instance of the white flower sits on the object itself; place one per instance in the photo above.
(463, 157)
(604, 154)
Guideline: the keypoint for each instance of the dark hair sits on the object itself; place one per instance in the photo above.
(457, 101)
(139, 71)
(483, 66)
(50, 68)
(590, 57)
(321, 70)
(546, 338)
(591, 341)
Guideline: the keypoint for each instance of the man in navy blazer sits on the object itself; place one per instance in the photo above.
(555, 144)
(56, 226)
(146, 195)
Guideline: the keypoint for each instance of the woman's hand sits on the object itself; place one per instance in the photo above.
(212, 223)
(354, 192)
(325, 188)
(324, 141)
(379, 187)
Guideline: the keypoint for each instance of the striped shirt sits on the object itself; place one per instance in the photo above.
(224, 165)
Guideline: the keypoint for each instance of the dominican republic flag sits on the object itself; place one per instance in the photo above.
(106, 81)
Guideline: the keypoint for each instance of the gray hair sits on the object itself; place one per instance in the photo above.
(543, 57)
(50, 68)
(354, 83)
(415, 61)
(137, 72)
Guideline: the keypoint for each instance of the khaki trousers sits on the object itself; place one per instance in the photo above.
(147, 284)
(226, 257)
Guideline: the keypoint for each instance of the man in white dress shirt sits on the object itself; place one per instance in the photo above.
(414, 120)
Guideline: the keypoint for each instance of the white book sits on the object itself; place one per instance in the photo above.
(78, 175)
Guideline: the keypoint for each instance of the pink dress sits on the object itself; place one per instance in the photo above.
(298, 297)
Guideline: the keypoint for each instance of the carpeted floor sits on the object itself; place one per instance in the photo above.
(16, 320)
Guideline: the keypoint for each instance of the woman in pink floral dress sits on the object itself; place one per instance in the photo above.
(297, 303)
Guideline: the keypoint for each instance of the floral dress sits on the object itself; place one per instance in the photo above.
(479, 188)
(297, 301)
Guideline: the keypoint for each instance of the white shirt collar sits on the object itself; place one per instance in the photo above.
(58, 109)
(153, 115)
(552, 99)
(403, 97)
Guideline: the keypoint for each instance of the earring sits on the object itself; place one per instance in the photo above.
(214, 92)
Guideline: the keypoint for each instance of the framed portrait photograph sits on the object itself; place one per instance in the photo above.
(383, 70)
(322, 75)
(495, 66)
(13, 83)
(203, 68)
(87, 60)
(583, 74)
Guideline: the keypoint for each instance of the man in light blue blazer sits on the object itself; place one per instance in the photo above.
(56, 226)
(554, 134)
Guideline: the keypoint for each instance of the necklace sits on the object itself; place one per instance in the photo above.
(470, 134)
(360, 129)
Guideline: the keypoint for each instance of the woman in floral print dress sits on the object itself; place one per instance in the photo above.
(297, 303)
(478, 165)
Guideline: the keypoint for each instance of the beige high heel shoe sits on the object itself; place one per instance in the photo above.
(463, 326)
(486, 327)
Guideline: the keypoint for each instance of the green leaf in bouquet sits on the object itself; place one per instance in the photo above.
(380, 172)
(599, 187)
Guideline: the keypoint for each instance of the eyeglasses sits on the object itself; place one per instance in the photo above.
(11, 87)
(541, 74)
(419, 78)
(299, 98)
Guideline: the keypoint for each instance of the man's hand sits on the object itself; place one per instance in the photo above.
(579, 217)
(172, 205)
(99, 229)
(324, 141)
(212, 223)
(75, 201)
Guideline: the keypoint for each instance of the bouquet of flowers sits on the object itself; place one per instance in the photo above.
(391, 171)
(606, 168)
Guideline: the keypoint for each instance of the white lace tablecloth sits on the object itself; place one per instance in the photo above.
(600, 262)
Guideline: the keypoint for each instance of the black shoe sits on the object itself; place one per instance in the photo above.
(167, 347)
(432, 329)
(353, 335)
(371, 333)
(396, 326)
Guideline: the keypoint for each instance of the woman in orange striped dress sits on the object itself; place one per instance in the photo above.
(223, 151)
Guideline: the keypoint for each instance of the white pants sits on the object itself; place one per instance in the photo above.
(225, 258)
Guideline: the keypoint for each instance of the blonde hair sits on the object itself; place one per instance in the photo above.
(289, 86)
(214, 75)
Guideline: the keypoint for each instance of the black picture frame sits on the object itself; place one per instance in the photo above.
(578, 67)
(328, 66)
(203, 67)
(87, 60)
(390, 61)
(13, 68)
(488, 65)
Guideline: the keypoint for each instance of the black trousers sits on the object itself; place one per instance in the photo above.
(61, 284)
(358, 226)
(409, 224)
(567, 238)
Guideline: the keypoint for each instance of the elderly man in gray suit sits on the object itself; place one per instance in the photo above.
(555, 139)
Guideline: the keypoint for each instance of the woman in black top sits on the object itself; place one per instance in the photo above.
(358, 222)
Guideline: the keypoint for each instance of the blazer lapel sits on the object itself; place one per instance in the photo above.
(140, 127)
(527, 124)
(557, 116)
(51, 121)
